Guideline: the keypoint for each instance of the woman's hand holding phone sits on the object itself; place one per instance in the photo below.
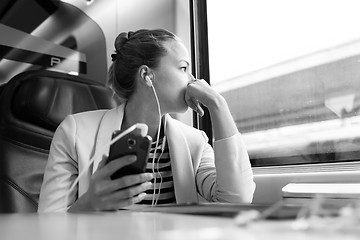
(105, 193)
(120, 179)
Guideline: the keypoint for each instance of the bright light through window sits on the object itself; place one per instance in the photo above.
(290, 71)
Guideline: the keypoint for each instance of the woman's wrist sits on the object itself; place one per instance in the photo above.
(80, 205)
(217, 103)
(221, 118)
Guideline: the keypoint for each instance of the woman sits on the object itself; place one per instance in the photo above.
(151, 72)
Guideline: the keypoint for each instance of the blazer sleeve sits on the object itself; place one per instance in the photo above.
(61, 169)
(229, 178)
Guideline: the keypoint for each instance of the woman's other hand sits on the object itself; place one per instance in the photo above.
(200, 92)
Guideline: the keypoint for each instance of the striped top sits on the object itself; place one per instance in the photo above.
(163, 181)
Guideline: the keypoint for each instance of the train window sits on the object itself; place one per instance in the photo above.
(290, 71)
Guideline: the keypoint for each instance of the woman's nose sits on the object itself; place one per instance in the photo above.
(191, 78)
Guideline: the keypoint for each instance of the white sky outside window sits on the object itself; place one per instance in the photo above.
(248, 35)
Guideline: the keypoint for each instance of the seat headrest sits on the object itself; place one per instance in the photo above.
(37, 101)
(46, 101)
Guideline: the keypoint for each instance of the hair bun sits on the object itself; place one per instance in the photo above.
(130, 34)
(120, 40)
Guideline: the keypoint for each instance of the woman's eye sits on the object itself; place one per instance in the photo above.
(183, 69)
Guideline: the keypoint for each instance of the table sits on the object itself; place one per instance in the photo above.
(138, 225)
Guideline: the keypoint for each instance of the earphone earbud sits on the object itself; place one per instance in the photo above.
(148, 81)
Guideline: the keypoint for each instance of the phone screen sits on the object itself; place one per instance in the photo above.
(131, 143)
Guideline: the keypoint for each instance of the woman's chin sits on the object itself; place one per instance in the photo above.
(182, 109)
(185, 109)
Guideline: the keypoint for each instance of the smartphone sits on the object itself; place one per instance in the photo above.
(135, 142)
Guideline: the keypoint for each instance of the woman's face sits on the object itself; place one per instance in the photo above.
(172, 77)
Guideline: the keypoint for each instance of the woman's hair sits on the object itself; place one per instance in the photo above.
(132, 50)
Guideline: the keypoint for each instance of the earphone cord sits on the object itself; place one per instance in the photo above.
(153, 203)
(157, 168)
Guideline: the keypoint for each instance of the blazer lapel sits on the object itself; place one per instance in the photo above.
(106, 128)
(181, 163)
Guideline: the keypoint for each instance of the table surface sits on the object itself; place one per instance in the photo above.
(139, 225)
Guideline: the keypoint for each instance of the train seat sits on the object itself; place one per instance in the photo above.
(32, 104)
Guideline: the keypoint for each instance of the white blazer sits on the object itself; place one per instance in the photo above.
(82, 136)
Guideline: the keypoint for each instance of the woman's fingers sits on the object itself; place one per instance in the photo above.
(198, 93)
(127, 193)
(128, 181)
(198, 107)
(116, 205)
(195, 105)
(123, 197)
(109, 168)
(193, 94)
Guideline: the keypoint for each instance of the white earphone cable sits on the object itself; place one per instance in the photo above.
(157, 168)
(153, 202)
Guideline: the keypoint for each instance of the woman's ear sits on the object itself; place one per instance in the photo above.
(146, 75)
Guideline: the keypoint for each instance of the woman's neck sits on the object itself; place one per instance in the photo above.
(141, 112)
